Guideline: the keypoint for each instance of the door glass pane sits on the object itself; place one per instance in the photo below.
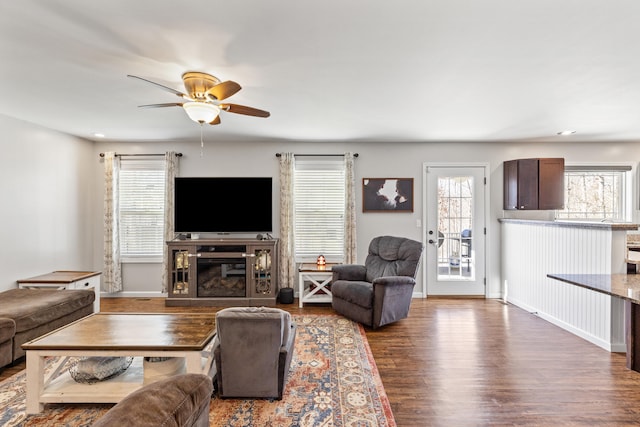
(455, 228)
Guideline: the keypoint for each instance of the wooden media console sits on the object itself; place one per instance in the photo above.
(222, 272)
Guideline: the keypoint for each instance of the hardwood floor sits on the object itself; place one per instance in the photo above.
(474, 362)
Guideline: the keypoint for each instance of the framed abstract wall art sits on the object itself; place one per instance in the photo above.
(387, 195)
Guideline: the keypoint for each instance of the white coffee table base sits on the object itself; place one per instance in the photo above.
(61, 388)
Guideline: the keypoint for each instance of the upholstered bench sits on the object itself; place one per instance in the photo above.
(178, 401)
(26, 314)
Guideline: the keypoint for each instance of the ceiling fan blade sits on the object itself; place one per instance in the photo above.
(168, 89)
(168, 104)
(223, 90)
(242, 109)
(215, 121)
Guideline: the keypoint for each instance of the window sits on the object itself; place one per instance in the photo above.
(319, 207)
(141, 203)
(596, 193)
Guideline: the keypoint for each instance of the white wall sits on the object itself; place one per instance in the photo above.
(47, 202)
(393, 159)
(51, 216)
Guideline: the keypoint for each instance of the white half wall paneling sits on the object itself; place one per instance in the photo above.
(533, 249)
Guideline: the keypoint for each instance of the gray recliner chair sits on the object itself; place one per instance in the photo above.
(252, 351)
(378, 292)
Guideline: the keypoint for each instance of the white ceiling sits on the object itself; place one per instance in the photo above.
(343, 70)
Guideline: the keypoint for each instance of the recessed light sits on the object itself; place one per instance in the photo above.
(566, 132)
(98, 135)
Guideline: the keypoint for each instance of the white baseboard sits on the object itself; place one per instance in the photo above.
(614, 347)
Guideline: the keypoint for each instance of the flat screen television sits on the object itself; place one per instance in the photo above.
(223, 205)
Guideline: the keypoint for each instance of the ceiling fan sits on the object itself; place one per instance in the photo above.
(202, 100)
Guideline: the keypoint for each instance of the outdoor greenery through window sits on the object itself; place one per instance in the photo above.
(141, 207)
(319, 207)
(596, 193)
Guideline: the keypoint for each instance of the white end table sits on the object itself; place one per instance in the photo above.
(64, 279)
(314, 284)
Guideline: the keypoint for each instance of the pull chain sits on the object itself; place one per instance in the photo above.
(201, 142)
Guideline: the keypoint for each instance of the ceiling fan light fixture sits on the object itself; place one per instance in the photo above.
(201, 112)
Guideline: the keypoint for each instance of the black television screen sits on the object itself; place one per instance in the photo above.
(223, 205)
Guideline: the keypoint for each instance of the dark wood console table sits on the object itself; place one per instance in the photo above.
(625, 286)
(222, 272)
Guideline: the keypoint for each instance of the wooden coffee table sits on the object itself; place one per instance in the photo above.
(189, 336)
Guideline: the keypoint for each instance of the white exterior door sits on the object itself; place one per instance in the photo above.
(455, 230)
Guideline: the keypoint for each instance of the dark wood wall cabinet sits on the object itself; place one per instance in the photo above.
(534, 184)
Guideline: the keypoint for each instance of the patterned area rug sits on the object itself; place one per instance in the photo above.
(333, 382)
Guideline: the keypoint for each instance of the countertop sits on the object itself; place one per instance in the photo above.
(625, 226)
(625, 286)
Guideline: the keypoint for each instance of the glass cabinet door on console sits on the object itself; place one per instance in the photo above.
(181, 267)
(263, 270)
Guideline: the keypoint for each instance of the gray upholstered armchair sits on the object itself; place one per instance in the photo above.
(181, 400)
(378, 292)
(253, 351)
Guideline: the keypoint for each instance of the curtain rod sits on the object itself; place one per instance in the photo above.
(318, 155)
(136, 155)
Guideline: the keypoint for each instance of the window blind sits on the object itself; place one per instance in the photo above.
(319, 206)
(141, 208)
